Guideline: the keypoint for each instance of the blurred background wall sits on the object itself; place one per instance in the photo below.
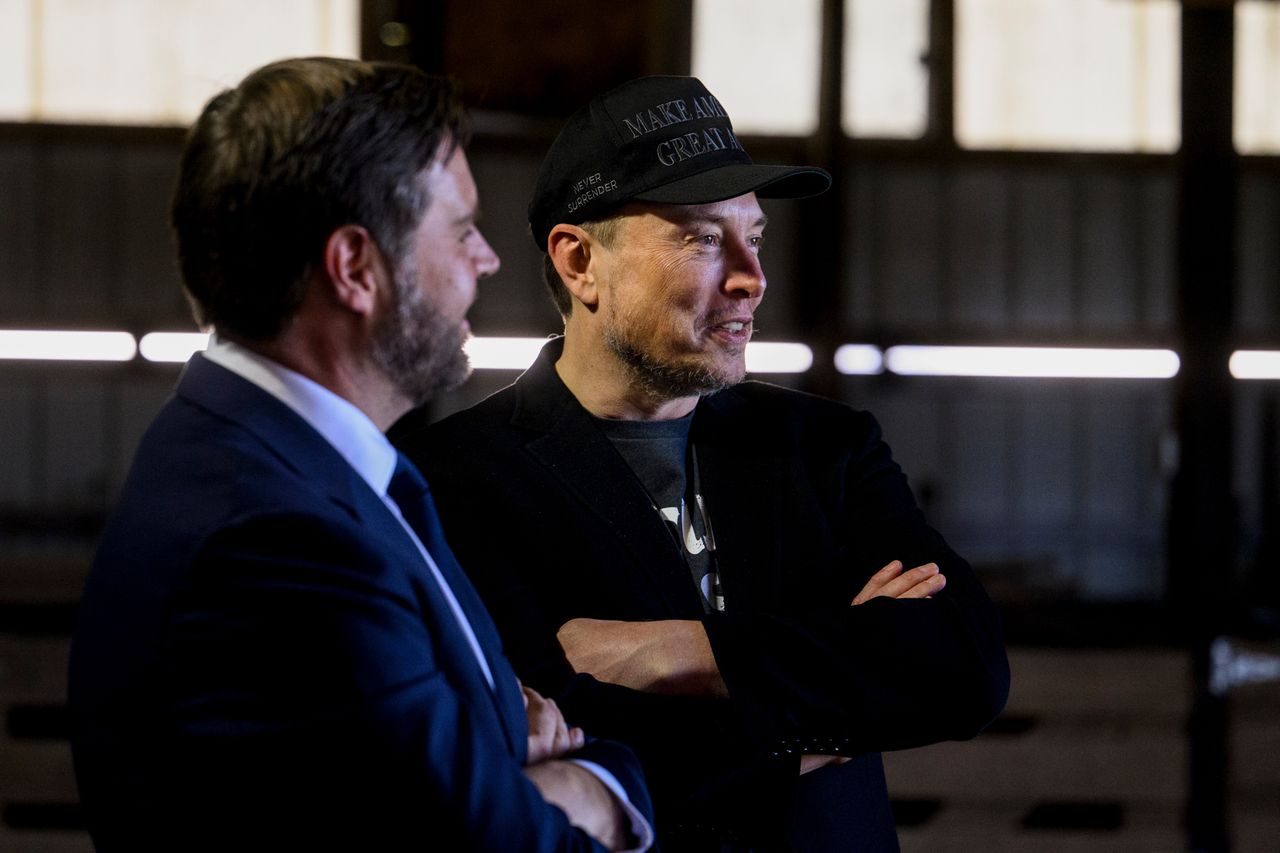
(1039, 173)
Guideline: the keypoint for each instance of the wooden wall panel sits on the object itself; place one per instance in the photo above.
(149, 287)
(976, 233)
(19, 233)
(1109, 254)
(1044, 224)
(19, 401)
(80, 242)
(908, 232)
(1156, 236)
(80, 444)
(1046, 459)
(1258, 295)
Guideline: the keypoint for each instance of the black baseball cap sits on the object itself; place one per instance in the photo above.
(660, 139)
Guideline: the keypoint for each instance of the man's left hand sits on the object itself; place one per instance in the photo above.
(892, 582)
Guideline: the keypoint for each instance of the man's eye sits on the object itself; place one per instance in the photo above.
(708, 240)
(756, 242)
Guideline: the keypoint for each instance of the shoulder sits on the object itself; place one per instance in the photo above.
(495, 410)
(195, 473)
(787, 414)
(535, 405)
(488, 422)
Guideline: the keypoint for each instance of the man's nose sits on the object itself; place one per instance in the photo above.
(487, 260)
(745, 275)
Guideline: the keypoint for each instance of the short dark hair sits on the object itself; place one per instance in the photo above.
(603, 230)
(298, 149)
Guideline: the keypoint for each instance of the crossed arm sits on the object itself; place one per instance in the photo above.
(673, 656)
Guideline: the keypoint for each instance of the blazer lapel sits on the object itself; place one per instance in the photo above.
(580, 457)
(750, 541)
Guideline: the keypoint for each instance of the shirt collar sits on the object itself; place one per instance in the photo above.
(341, 423)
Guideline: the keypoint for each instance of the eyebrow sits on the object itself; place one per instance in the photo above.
(471, 217)
(706, 219)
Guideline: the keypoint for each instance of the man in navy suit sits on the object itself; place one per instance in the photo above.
(276, 648)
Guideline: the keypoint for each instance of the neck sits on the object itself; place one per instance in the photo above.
(340, 370)
(607, 388)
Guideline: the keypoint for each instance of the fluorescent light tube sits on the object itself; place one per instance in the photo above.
(33, 345)
(1032, 362)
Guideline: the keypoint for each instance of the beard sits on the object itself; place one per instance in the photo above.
(664, 380)
(419, 348)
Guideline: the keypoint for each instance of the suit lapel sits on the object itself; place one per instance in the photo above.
(505, 693)
(290, 438)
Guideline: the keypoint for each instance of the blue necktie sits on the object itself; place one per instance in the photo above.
(410, 492)
(412, 495)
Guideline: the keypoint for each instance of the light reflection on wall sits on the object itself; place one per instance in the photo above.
(1257, 96)
(152, 61)
(886, 82)
(513, 353)
(1067, 74)
(760, 59)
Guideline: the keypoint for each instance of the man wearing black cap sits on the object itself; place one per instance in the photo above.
(709, 569)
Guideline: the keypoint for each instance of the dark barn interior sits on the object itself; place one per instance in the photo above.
(1128, 527)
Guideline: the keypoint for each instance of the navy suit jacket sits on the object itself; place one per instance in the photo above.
(263, 660)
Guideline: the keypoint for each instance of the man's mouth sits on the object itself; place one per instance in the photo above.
(735, 323)
(736, 331)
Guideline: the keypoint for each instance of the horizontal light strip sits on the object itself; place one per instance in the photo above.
(859, 360)
(519, 353)
(171, 346)
(66, 346)
(1032, 362)
(1255, 364)
(494, 353)
(502, 353)
(770, 357)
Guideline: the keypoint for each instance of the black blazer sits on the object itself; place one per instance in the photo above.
(807, 504)
(263, 661)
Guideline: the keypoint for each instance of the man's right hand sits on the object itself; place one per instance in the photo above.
(549, 735)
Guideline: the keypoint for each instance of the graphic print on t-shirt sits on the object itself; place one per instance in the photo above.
(680, 518)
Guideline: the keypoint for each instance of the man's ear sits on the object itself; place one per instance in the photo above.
(574, 252)
(354, 266)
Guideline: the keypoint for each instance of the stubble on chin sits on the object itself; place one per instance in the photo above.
(663, 380)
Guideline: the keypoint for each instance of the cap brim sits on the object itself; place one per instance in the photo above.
(737, 179)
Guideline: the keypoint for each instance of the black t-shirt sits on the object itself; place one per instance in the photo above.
(658, 453)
